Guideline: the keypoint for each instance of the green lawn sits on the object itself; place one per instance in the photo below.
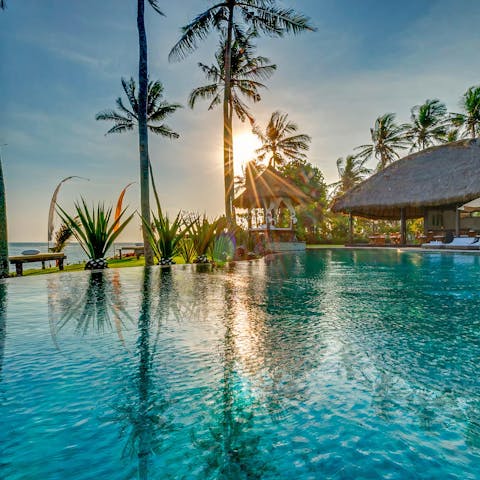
(112, 263)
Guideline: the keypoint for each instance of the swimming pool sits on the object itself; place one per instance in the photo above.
(342, 364)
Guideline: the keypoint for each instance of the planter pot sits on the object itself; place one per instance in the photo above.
(202, 259)
(97, 264)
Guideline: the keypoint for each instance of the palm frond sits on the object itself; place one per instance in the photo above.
(155, 6)
(197, 31)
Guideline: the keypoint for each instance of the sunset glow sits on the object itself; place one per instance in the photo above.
(244, 146)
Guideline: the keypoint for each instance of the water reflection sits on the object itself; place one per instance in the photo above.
(3, 321)
(232, 444)
(97, 307)
(413, 353)
(141, 411)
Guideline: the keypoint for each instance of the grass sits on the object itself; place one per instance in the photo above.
(112, 263)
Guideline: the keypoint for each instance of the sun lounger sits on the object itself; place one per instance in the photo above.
(433, 244)
(462, 242)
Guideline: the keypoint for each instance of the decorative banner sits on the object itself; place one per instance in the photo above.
(118, 210)
(51, 212)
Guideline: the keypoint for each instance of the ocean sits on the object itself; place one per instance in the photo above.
(73, 251)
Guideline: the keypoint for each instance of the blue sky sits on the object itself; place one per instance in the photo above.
(61, 63)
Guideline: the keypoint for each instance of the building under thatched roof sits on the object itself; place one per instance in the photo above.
(269, 188)
(438, 177)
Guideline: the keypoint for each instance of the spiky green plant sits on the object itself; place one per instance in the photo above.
(93, 229)
(165, 236)
(186, 249)
(202, 233)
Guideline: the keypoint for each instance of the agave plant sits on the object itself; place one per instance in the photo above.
(165, 236)
(94, 231)
(203, 233)
(186, 249)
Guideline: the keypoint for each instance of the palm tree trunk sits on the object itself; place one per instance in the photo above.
(4, 272)
(227, 122)
(142, 129)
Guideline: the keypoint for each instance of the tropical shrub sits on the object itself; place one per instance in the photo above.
(165, 236)
(61, 238)
(186, 249)
(94, 231)
(202, 233)
(223, 247)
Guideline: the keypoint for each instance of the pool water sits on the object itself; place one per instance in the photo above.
(338, 364)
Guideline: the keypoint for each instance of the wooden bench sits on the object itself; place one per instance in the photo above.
(19, 260)
(137, 250)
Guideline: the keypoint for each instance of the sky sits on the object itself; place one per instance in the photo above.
(61, 62)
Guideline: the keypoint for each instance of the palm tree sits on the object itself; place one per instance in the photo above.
(246, 73)
(452, 135)
(428, 124)
(126, 119)
(4, 270)
(351, 171)
(387, 137)
(280, 141)
(142, 122)
(228, 17)
(470, 119)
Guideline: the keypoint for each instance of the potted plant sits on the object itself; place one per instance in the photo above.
(94, 231)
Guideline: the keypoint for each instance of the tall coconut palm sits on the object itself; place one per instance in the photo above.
(470, 119)
(352, 171)
(227, 17)
(429, 124)
(142, 121)
(126, 119)
(246, 73)
(4, 270)
(280, 141)
(387, 138)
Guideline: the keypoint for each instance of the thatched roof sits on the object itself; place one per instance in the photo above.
(266, 186)
(447, 175)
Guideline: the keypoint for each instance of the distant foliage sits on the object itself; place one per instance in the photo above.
(468, 121)
(62, 236)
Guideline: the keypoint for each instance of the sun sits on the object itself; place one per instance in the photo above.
(244, 146)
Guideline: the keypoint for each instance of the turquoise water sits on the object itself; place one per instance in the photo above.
(337, 364)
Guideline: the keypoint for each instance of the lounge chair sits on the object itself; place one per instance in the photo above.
(462, 242)
(433, 244)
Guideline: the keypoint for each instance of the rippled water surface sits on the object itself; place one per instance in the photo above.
(336, 364)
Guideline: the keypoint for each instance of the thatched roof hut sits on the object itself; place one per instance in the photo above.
(267, 188)
(436, 177)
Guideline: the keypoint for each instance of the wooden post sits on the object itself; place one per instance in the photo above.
(403, 227)
(457, 222)
(350, 228)
(19, 269)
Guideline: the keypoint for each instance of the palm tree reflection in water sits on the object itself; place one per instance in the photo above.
(144, 411)
(233, 447)
(3, 321)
